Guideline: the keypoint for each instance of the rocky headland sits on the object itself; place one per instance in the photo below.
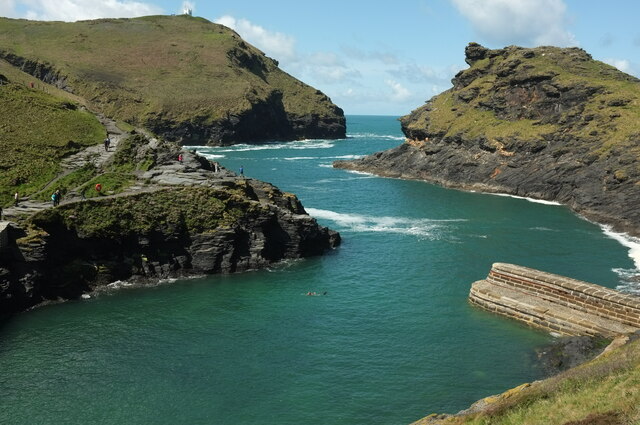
(547, 123)
(154, 217)
(186, 79)
(149, 85)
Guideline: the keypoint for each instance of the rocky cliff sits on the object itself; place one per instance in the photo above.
(546, 122)
(186, 79)
(154, 217)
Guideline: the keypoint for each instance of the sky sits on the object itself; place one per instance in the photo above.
(385, 57)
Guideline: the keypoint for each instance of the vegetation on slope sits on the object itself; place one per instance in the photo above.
(172, 211)
(603, 391)
(37, 130)
(159, 71)
(517, 96)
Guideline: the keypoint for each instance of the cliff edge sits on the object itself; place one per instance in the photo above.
(548, 123)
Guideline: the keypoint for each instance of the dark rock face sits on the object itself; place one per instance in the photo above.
(265, 121)
(42, 71)
(568, 352)
(61, 262)
(560, 139)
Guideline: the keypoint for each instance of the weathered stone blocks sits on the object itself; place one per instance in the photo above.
(556, 303)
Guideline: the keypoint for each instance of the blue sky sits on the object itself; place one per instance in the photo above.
(385, 58)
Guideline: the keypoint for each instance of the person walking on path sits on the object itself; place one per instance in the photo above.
(242, 171)
(107, 142)
(0, 212)
(16, 198)
(180, 158)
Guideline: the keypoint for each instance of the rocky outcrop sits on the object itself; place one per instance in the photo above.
(546, 123)
(266, 120)
(185, 218)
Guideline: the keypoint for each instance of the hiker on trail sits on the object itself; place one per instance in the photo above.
(0, 212)
(58, 197)
(180, 158)
(16, 198)
(107, 142)
(83, 197)
(53, 199)
(242, 170)
(215, 167)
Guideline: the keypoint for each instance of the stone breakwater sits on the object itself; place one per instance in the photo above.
(556, 303)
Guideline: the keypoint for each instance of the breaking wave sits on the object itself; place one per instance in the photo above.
(421, 227)
(374, 136)
(629, 278)
(537, 201)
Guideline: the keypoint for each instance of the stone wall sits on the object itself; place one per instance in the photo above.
(556, 303)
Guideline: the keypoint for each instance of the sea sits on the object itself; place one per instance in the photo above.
(389, 337)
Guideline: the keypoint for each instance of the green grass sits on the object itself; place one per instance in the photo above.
(194, 209)
(608, 387)
(37, 130)
(613, 109)
(169, 68)
(111, 183)
(69, 182)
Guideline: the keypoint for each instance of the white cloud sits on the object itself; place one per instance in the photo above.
(425, 74)
(387, 58)
(399, 93)
(622, 64)
(275, 44)
(74, 10)
(7, 7)
(524, 22)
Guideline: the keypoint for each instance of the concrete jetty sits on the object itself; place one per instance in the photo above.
(556, 303)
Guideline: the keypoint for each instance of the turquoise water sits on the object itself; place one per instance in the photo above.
(393, 340)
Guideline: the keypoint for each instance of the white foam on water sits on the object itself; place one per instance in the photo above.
(325, 165)
(212, 155)
(537, 201)
(374, 136)
(304, 158)
(298, 144)
(344, 157)
(629, 278)
(361, 173)
(543, 229)
(627, 241)
(629, 281)
(343, 179)
(421, 227)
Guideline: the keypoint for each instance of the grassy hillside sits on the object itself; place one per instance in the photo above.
(605, 391)
(531, 95)
(37, 129)
(157, 71)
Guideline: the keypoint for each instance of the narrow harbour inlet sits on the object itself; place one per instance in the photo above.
(392, 340)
